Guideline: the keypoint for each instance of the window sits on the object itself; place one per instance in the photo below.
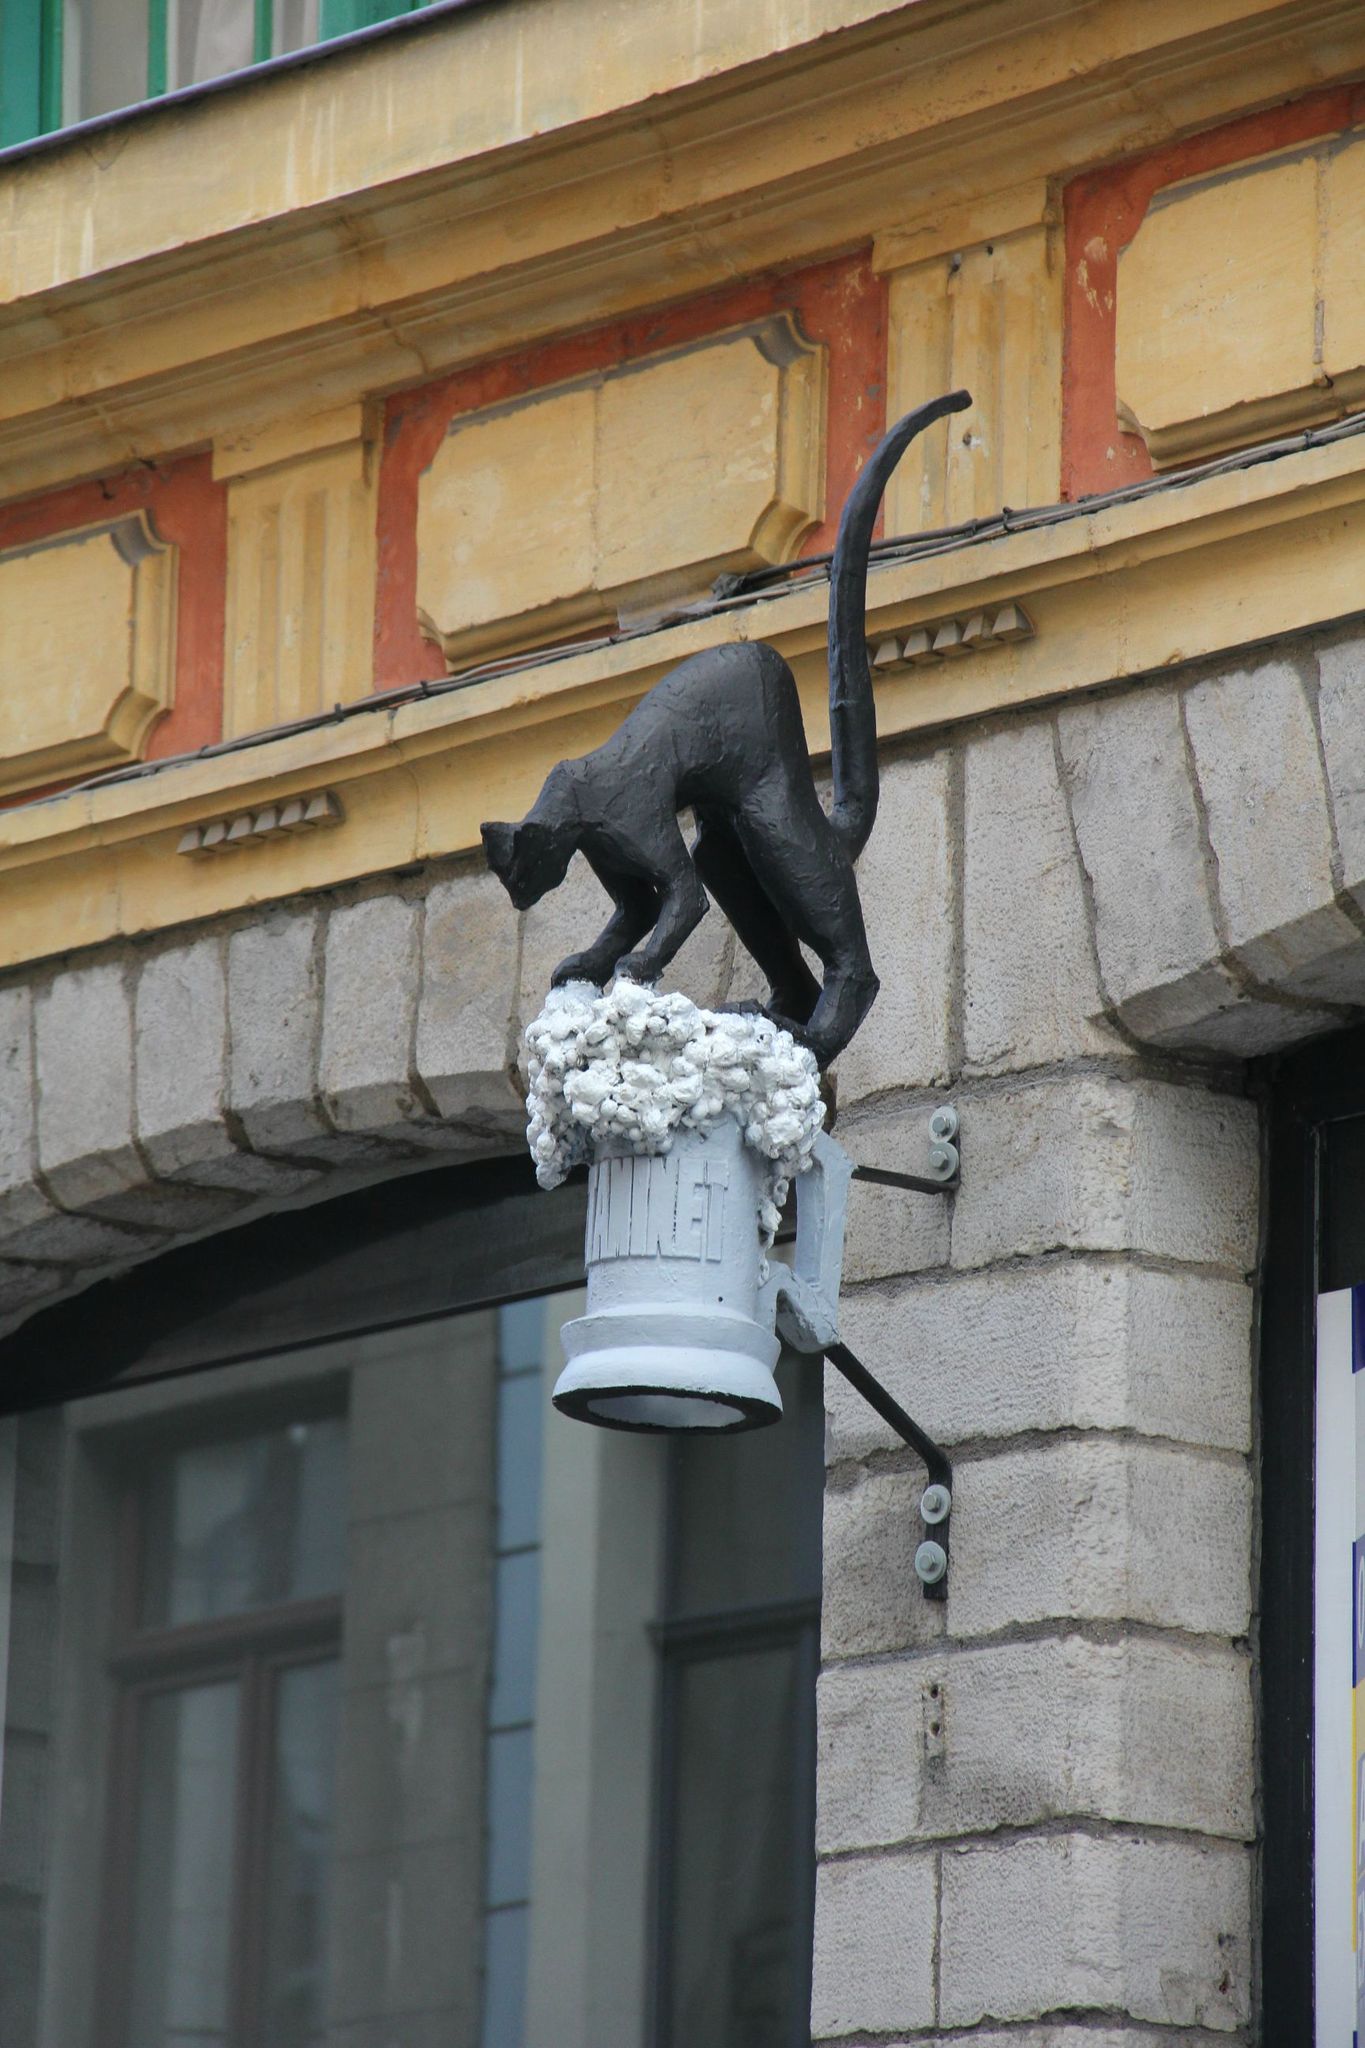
(740, 1643)
(1312, 1594)
(226, 1663)
(346, 1690)
(67, 60)
(512, 1691)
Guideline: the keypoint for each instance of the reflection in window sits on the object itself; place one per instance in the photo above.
(205, 38)
(77, 59)
(231, 1703)
(244, 1522)
(512, 1698)
(736, 1944)
(728, 1961)
(299, 1866)
(296, 25)
(105, 56)
(182, 1867)
(118, 52)
(443, 1716)
(740, 1648)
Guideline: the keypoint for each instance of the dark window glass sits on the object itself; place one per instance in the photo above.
(737, 1950)
(747, 1509)
(244, 1522)
(299, 1865)
(569, 1715)
(510, 1789)
(181, 1952)
(740, 1651)
(256, 1789)
(231, 1687)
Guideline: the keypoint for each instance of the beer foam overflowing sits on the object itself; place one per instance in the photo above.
(632, 1067)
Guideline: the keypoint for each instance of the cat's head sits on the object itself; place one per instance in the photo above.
(528, 859)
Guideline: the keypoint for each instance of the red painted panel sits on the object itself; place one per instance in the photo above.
(1104, 210)
(188, 509)
(842, 304)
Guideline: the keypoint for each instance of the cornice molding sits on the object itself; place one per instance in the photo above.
(883, 129)
(961, 224)
(1213, 565)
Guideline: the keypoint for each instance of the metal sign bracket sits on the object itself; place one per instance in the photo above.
(805, 1306)
(943, 1164)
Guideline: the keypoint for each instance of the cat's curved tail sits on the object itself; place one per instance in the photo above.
(852, 712)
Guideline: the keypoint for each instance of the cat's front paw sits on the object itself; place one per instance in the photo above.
(578, 967)
(637, 967)
(790, 1025)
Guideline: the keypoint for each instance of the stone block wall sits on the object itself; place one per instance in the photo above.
(1037, 1799)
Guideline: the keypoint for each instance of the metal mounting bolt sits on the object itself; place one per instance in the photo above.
(931, 1562)
(944, 1160)
(935, 1504)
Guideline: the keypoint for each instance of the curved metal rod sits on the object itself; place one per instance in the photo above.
(883, 1177)
(938, 1464)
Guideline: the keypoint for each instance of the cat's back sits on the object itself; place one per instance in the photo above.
(717, 718)
(746, 678)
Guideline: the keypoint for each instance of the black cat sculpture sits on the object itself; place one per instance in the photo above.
(722, 735)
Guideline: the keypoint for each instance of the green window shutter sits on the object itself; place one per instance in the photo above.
(30, 68)
(156, 48)
(339, 17)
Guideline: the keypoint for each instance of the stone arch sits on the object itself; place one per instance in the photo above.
(157, 1091)
(1219, 819)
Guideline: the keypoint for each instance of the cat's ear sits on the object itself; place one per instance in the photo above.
(500, 845)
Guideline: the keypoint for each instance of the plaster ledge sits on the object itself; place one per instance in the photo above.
(1184, 572)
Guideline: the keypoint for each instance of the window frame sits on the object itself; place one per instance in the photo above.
(710, 1639)
(1312, 1097)
(474, 1237)
(253, 1647)
(33, 44)
(30, 70)
(688, 1635)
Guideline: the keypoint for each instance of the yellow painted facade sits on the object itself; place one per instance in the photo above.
(1116, 593)
(976, 302)
(256, 275)
(597, 501)
(156, 295)
(87, 621)
(300, 573)
(1241, 306)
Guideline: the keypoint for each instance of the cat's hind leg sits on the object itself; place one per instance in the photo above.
(850, 990)
(835, 931)
(809, 879)
(725, 868)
